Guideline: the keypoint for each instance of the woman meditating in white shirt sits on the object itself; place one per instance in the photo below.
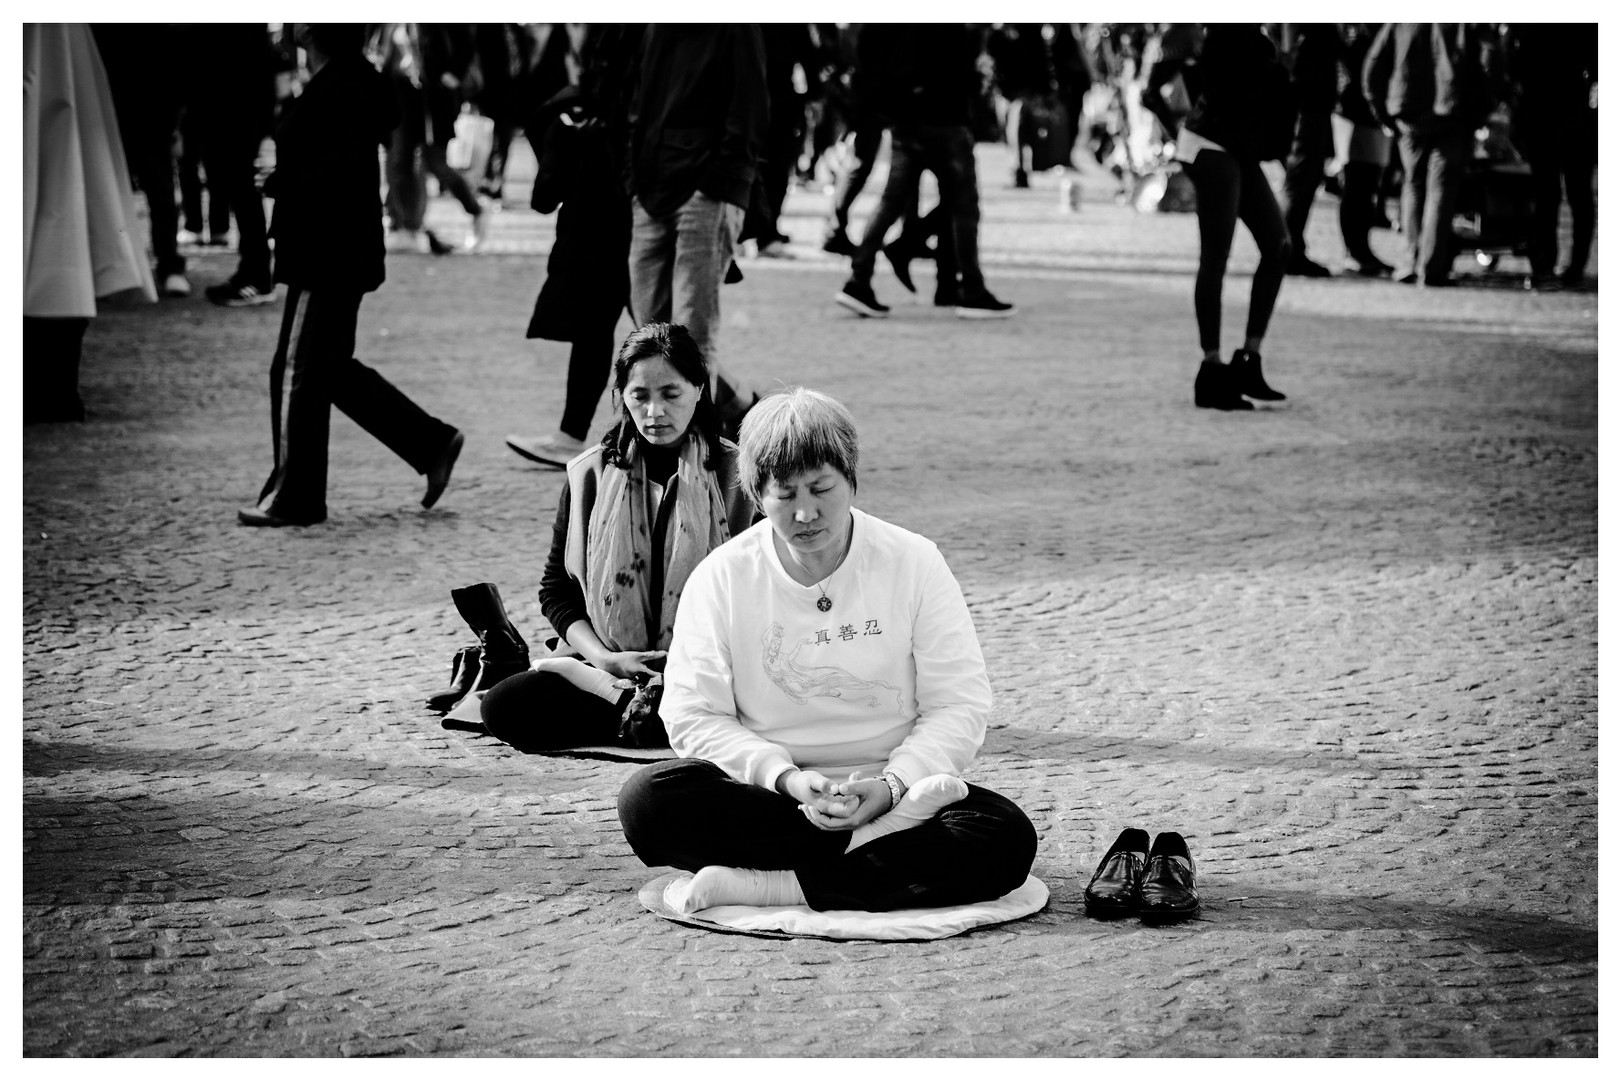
(825, 691)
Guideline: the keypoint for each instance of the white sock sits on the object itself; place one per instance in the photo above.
(716, 885)
(920, 803)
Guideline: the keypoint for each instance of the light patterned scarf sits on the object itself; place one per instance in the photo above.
(612, 558)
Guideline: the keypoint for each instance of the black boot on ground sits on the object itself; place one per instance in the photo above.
(502, 650)
(1249, 380)
(1215, 388)
(463, 673)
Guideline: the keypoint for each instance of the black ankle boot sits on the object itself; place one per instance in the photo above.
(463, 673)
(502, 652)
(1248, 379)
(1215, 388)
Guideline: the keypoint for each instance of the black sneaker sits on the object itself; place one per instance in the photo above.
(982, 305)
(1249, 381)
(1300, 266)
(838, 243)
(858, 297)
(1214, 389)
(235, 293)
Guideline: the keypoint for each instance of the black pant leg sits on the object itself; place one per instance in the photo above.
(590, 364)
(230, 148)
(541, 710)
(1216, 180)
(51, 351)
(1357, 201)
(387, 414)
(317, 335)
(1307, 160)
(152, 161)
(1258, 210)
(974, 850)
(689, 814)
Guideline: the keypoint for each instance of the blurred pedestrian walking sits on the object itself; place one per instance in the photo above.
(1555, 68)
(1426, 81)
(697, 123)
(214, 230)
(231, 101)
(861, 142)
(790, 61)
(78, 213)
(144, 64)
(580, 138)
(1242, 114)
(429, 65)
(1362, 146)
(923, 81)
(1312, 49)
(327, 227)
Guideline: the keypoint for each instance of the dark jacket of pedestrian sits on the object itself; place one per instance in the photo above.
(1421, 71)
(1243, 99)
(327, 223)
(1316, 67)
(1555, 67)
(1357, 39)
(449, 75)
(580, 164)
(922, 73)
(698, 115)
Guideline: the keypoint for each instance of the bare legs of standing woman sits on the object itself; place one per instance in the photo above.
(1232, 189)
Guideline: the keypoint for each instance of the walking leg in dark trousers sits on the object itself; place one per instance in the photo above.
(1307, 160)
(314, 368)
(229, 152)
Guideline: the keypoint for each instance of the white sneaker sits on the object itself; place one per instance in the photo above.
(480, 232)
(187, 238)
(557, 450)
(175, 285)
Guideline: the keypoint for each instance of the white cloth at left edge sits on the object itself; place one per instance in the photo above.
(80, 239)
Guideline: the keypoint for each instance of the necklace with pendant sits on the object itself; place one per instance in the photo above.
(825, 603)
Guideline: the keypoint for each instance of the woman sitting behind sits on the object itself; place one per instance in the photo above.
(825, 691)
(638, 512)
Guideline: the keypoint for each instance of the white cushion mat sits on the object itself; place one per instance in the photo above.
(907, 924)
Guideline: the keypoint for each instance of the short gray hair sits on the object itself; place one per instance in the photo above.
(794, 432)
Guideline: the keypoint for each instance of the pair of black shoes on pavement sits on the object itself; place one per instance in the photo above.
(1157, 883)
(857, 296)
(1229, 386)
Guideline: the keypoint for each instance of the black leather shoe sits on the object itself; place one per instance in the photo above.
(438, 477)
(463, 674)
(1249, 380)
(1167, 889)
(1113, 887)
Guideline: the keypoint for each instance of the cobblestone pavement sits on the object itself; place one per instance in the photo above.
(1347, 645)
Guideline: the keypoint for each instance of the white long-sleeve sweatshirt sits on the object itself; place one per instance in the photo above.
(760, 680)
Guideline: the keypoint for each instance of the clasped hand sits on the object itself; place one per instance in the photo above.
(838, 807)
(625, 666)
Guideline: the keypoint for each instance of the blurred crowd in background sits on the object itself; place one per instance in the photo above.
(197, 108)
